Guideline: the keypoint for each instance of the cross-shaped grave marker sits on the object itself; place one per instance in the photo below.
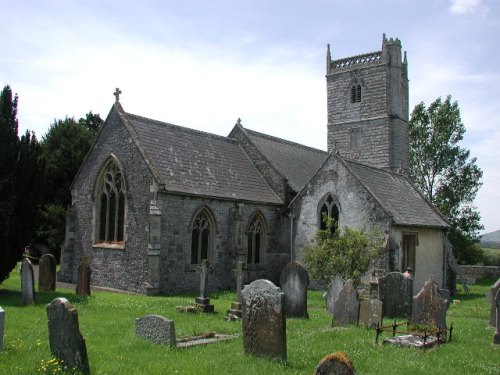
(203, 301)
(240, 274)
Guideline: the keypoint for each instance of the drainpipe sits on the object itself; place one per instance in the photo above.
(291, 217)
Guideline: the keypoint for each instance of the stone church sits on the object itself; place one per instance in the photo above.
(152, 199)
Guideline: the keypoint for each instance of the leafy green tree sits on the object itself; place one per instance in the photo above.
(349, 253)
(92, 122)
(51, 231)
(445, 172)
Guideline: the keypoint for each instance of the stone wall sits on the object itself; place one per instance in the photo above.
(490, 272)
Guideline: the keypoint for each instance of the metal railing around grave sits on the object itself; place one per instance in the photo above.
(438, 333)
(359, 59)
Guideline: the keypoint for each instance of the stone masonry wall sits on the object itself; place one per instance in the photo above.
(480, 271)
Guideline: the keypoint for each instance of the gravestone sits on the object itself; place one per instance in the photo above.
(346, 309)
(66, 341)
(47, 273)
(396, 294)
(496, 337)
(294, 281)
(370, 312)
(27, 282)
(333, 292)
(239, 274)
(490, 296)
(429, 307)
(2, 325)
(264, 322)
(83, 282)
(203, 302)
(337, 363)
(156, 328)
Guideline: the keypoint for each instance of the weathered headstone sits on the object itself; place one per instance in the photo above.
(346, 309)
(496, 337)
(83, 282)
(264, 322)
(429, 307)
(333, 292)
(294, 281)
(239, 274)
(490, 296)
(396, 294)
(27, 282)
(47, 273)
(337, 363)
(156, 328)
(2, 325)
(66, 341)
(370, 312)
(203, 302)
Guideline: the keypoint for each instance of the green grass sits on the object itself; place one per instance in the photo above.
(107, 323)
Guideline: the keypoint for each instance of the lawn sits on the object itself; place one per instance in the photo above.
(107, 324)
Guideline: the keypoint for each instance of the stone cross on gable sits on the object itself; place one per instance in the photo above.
(117, 94)
(204, 269)
(240, 273)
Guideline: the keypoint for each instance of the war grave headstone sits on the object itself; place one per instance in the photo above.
(27, 283)
(294, 281)
(83, 282)
(346, 309)
(203, 302)
(240, 274)
(337, 363)
(370, 312)
(332, 294)
(2, 326)
(156, 328)
(396, 294)
(490, 296)
(264, 322)
(47, 273)
(496, 337)
(66, 341)
(429, 307)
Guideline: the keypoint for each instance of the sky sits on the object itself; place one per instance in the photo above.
(204, 64)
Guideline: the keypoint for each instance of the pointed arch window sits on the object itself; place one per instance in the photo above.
(356, 93)
(256, 239)
(202, 234)
(111, 204)
(328, 207)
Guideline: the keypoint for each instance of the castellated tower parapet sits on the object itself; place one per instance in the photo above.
(368, 106)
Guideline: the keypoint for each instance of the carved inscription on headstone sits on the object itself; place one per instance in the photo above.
(396, 293)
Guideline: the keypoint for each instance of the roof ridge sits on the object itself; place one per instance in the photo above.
(184, 128)
(281, 140)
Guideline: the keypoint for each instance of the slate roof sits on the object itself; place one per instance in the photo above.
(398, 196)
(194, 162)
(295, 162)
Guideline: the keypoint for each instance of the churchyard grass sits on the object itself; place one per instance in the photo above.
(107, 324)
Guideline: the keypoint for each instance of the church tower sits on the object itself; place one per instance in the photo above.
(368, 107)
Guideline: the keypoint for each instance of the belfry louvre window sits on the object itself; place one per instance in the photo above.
(201, 237)
(356, 93)
(111, 206)
(256, 235)
(328, 208)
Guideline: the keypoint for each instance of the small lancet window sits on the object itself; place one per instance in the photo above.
(111, 206)
(329, 209)
(356, 93)
(201, 237)
(256, 240)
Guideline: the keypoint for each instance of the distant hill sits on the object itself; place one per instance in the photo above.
(491, 239)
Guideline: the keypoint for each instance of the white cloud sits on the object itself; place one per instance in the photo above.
(468, 7)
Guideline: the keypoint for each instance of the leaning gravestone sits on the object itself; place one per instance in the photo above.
(47, 273)
(396, 293)
(264, 322)
(2, 324)
(429, 307)
(83, 282)
(490, 296)
(370, 312)
(27, 282)
(294, 281)
(66, 341)
(496, 337)
(346, 309)
(337, 363)
(333, 292)
(156, 328)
